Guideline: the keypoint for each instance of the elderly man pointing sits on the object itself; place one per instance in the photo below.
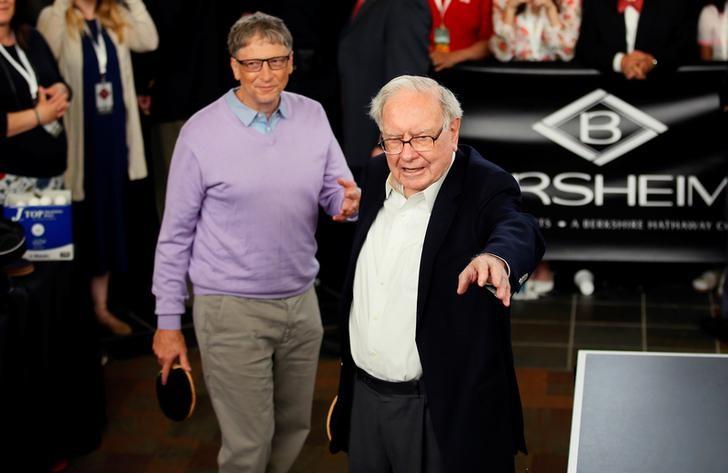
(427, 380)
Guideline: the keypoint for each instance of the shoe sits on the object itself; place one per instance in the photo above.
(584, 280)
(542, 286)
(542, 279)
(707, 281)
(526, 293)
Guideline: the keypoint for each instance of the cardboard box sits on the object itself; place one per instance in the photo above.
(46, 218)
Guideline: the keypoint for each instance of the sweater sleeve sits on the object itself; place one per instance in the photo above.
(52, 25)
(185, 193)
(332, 193)
(141, 34)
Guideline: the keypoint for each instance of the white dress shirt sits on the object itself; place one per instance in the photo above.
(631, 19)
(383, 316)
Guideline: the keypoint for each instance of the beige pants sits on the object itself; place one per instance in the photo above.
(259, 358)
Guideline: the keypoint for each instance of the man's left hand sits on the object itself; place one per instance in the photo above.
(352, 196)
(487, 269)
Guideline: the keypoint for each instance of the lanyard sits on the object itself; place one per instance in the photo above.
(25, 70)
(442, 6)
(99, 46)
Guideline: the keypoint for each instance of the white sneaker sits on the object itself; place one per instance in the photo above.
(526, 293)
(707, 281)
(542, 286)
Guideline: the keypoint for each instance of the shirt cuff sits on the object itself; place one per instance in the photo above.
(617, 62)
(508, 267)
(169, 322)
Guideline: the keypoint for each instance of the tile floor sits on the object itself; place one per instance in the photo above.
(547, 333)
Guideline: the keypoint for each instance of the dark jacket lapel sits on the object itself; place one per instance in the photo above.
(616, 21)
(645, 25)
(372, 201)
(443, 213)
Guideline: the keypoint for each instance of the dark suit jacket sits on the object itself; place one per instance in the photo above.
(463, 341)
(386, 39)
(666, 29)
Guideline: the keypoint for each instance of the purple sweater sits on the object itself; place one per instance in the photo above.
(242, 206)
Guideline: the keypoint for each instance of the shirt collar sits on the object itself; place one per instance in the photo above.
(246, 114)
(430, 193)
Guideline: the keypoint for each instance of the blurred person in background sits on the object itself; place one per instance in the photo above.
(535, 30)
(33, 97)
(713, 31)
(460, 31)
(637, 38)
(383, 39)
(92, 42)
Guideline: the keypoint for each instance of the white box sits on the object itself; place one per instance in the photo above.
(46, 218)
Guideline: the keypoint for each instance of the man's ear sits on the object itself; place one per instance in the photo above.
(455, 132)
(234, 66)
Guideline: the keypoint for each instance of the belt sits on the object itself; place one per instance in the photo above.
(390, 387)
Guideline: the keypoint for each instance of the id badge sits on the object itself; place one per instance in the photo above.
(54, 128)
(441, 38)
(104, 97)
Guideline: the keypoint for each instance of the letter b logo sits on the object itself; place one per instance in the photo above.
(603, 123)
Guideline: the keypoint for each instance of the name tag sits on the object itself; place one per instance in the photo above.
(441, 39)
(104, 98)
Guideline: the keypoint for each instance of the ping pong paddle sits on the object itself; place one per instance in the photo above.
(177, 398)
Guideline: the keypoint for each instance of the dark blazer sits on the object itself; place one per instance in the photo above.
(464, 341)
(34, 153)
(386, 39)
(667, 29)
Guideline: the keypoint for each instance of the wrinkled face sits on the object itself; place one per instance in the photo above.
(261, 90)
(7, 10)
(408, 114)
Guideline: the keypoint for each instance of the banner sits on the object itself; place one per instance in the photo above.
(614, 170)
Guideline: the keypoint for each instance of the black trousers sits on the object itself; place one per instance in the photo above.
(391, 429)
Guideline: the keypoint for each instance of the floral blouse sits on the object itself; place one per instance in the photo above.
(531, 37)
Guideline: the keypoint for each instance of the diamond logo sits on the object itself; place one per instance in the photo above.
(599, 127)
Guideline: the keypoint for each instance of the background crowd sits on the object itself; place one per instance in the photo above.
(93, 93)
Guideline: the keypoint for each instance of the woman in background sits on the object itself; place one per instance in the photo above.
(713, 31)
(33, 97)
(92, 41)
(535, 30)
(460, 31)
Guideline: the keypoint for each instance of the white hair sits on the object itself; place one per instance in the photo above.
(449, 104)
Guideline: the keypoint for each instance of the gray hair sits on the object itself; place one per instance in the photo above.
(449, 104)
(268, 27)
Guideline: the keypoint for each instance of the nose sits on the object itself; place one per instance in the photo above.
(408, 152)
(265, 71)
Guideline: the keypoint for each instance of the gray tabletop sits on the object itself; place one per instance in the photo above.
(637, 412)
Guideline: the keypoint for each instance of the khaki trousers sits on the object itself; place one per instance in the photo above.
(259, 359)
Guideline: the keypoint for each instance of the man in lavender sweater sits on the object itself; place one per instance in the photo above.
(247, 176)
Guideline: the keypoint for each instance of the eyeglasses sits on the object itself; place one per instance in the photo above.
(418, 143)
(254, 65)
